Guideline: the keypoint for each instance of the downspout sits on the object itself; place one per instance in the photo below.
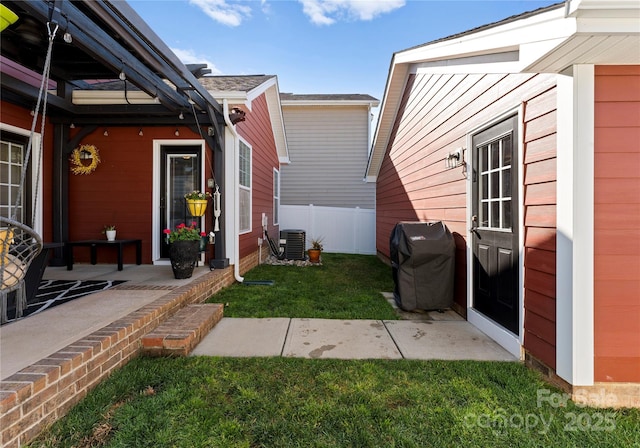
(236, 200)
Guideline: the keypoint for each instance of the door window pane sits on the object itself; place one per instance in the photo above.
(506, 183)
(495, 184)
(495, 214)
(506, 151)
(506, 214)
(495, 155)
(484, 157)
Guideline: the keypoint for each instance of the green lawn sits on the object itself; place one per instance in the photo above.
(285, 402)
(343, 287)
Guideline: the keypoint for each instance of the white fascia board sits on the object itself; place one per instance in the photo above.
(307, 103)
(545, 31)
(581, 6)
(232, 97)
(629, 24)
(387, 116)
(272, 94)
(262, 88)
(102, 97)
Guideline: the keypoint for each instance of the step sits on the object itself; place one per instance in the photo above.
(179, 334)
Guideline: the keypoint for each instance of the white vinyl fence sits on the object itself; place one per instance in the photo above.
(343, 230)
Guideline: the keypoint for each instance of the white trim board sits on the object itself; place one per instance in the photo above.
(575, 226)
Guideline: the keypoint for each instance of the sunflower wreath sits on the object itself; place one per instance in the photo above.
(90, 153)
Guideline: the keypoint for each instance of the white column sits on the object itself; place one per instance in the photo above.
(575, 216)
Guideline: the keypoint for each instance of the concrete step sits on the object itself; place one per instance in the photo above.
(179, 334)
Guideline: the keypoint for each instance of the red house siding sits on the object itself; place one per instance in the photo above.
(21, 118)
(435, 116)
(120, 190)
(617, 224)
(540, 226)
(257, 131)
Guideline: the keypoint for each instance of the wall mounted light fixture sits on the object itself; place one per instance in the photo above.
(140, 133)
(177, 133)
(106, 133)
(455, 158)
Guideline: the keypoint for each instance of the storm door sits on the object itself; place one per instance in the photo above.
(494, 226)
(179, 175)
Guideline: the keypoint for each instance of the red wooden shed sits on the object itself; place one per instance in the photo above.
(523, 136)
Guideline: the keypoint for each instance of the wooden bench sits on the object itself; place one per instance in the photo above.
(178, 335)
(94, 244)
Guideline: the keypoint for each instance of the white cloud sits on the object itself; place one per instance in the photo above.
(223, 12)
(326, 12)
(190, 57)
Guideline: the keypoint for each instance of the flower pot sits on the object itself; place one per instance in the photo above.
(197, 207)
(183, 256)
(314, 255)
(111, 235)
(7, 17)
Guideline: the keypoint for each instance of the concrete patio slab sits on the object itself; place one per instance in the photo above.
(340, 339)
(242, 337)
(444, 339)
(28, 340)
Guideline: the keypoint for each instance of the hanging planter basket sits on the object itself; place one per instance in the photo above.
(184, 256)
(197, 207)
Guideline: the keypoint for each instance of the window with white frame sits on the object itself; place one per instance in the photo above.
(12, 155)
(276, 197)
(245, 187)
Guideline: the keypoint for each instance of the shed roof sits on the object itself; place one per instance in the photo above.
(547, 40)
(243, 89)
(328, 97)
(240, 83)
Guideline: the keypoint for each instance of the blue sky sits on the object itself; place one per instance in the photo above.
(314, 46)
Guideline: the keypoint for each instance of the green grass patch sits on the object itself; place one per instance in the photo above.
(343, 287)
(286, 402)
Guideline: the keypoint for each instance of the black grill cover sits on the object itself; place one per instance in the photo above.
(423, 265)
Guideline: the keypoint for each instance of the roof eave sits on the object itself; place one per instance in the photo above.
(545, 43)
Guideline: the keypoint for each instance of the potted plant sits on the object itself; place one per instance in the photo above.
(184, 247)
(315, 250)
(110, 231)
(197, 202)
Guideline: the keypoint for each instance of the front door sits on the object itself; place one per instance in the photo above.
(495, 223)
(179, 175)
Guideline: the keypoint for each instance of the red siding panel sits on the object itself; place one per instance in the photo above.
(436, 114)
(617, 224)
(540, 200)
(257, 131)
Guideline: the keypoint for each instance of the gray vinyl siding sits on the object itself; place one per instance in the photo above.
(328, 148)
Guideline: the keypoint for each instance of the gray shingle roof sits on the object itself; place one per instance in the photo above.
(234, 83)
(326, 97)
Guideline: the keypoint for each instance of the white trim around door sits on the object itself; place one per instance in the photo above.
(509, 341)
(157, 181)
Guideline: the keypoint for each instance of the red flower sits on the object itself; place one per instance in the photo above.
(167, 231)
(180, 226)
(203, 233)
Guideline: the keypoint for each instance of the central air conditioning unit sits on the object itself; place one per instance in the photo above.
(294, 244)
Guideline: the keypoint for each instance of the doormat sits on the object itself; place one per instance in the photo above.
(56, 292)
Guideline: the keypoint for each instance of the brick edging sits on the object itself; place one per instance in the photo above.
(41, 393)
